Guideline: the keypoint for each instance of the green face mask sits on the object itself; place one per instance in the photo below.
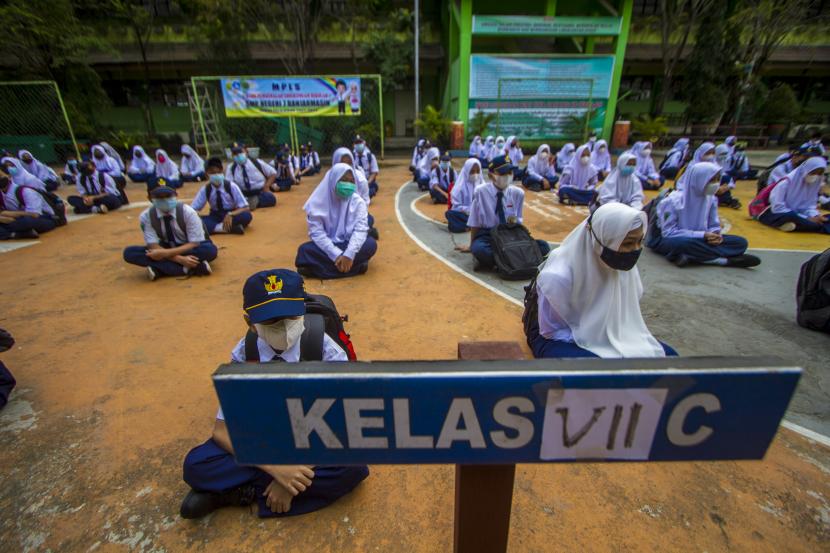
(344, 189)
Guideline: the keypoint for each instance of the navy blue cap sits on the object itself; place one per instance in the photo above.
(237, 148)
(446, 157)
(501, 165)
(272, 294)
(158, 186)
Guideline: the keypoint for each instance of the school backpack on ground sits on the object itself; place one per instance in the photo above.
(763, 176)
(530, 316)
(813, 293)
(760, 203)
(516, 253)
(52, 200)
(653, 233)
(321, 318)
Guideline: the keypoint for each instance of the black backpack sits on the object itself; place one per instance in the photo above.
(321, 318)
(516, 253)
(813, 293)
(530, 316)
(653, 233)
(155, 222)
(52, 200)
(763, 176)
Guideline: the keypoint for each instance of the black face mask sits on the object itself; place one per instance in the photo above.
(620, 261)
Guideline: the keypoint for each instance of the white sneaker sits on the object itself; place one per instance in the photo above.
(151, 274)
(103, 210)
(787, 227)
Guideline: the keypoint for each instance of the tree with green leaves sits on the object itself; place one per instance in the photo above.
(390, 47)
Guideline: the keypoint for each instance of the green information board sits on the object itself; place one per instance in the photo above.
(545, 26)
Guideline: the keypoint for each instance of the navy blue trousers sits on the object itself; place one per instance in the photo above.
(698, 250)
(438, 194)
(725, 198)
(532, 182)
(373, 188)
(544, 348)
(315, 260)
(647, 186)
(216, 217)
(77, 202)
(25, 224)
(261, 199)
(482, 248)
(51, 184)
(7, 383)
(209, 468)
(576, 195)
(137, 255)
(743, 175)
(801, 224)
(284, 185)
(198, 177)
(422, 179)
(68, 179)
(456, 221)
(668, 173)
(141, 177)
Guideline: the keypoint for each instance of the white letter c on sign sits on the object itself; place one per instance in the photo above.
(674, 430)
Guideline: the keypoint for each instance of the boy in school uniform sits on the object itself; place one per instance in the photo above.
(284, 170)
(98, 192)
(306, 162)
(315, 159)
(494, 203)
(441, 180)
(366, 160)
(253, 177)
(23, 212)
(71, 172)
(215, 478)
(175, 242)
(229, 211)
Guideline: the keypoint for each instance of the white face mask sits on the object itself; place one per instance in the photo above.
(282, 334)
(499, 145)
(602, 149)
(647, 151)
(584, 160)
(711, 188)
(708, 157)
(812, 179)
(502, 181)
(545, 155)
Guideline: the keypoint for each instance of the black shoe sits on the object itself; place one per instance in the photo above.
(199, 504)
(682, 261)
(202, 269)
(363, 269)
(735, 204)
(743, 261)
(237, 229)
(305, 271)
(25, 235)
(373, 232)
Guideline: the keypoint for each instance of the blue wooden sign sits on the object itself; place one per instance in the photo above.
(504, 412)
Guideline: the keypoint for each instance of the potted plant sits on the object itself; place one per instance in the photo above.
(779, 111)
(433, 125)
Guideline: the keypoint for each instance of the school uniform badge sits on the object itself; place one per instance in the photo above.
(273, 285)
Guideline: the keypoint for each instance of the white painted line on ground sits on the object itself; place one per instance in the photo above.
(422, 215)
(132, 205)
(783, 250)
(798, 429)
(440, 258)
(10, 246)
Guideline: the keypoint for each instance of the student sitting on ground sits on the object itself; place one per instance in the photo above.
(485, 153)
(174, 237)
(578, 185)
(71, 172)
(366, 160)
(622, 186)
(229, 212)
(738, 166)
(816, 143)
(497, 149)
(40, 170)
(601, 159)
(167, 169)
(113, 153)
(142, 168)
(564, 157)
(338, 227)
(689, 229)
(462, 195)
(7, 381)
(540, 173)
(794, 200)
(428, 163)
(418, 154)
(23, 212)
(589, 292)
(731, 142)
(495, 203)
(648, 175)
(211, 470)
(20, 176)
(315, 159)
(253, 177)
(727, 183)
(675, 159)
(795, 158)
(193, 166)
(592, 142)
(441, 180)
(475, 146)
(344, 155)
(704, 152)
(513, 150)
(98, 192)
(109, 165)
(284, 172)
(306, 163)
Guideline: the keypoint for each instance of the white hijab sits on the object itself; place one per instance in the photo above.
(23, 177)
(691, 203)
(565, 155)
(107, 163)
(143, 164)
(36, 167)
(113, 153)
(541, 166)
(360, 177)
(620, 188)
(580, 174)
(799, 195)
(462, 190)
(603, 309)
(166, 169)
(600, 159)
(697, 157)
(194, 164)
(338, 215)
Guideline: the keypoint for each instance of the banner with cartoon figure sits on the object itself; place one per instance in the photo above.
(291, 96)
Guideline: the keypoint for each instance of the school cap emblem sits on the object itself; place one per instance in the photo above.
(274, 284)
(161, 181)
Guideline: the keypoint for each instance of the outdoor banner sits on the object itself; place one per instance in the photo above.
(291, 96)
(544, 97)
(529, 25)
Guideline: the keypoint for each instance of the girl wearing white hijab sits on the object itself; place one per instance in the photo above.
(19, 175)
(675, 158)
(579, 179)
(488, 150)
(497, 149)
(727, 183)
(142, 167)
(113, 153)
(689, 229)
(648, 175)
(540, 173)
(476, 146)
(793, 200)
(514, 151)
(417, 154)
(344, 155)
(622, 186)
(601, 159)
(564, 157)
(193, 166)
(40, 170)
(704, 152)
(428, 163)
(167, 169)
(462, 195)
(338, 227)
(589, 292)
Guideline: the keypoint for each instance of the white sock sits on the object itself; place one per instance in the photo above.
(219, 228)
(716, 261)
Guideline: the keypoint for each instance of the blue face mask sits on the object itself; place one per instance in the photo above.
(240, 158)
(627, 170)
(165, 205)
(444, 165)
(217, 180)
(359, 148)
(14, 171)
(72, 162)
